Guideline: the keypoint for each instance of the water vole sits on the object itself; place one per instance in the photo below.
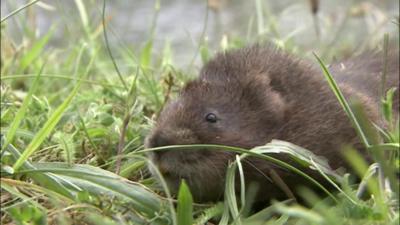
(248, 97)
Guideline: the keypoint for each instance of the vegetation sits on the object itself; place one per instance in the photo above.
(73, 120)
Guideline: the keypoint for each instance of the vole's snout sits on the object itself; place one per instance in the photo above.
(166, 137)
(178, 136)
(158, 140)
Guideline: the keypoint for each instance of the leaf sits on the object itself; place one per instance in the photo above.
(45, 179)
(185, 205)
(99, 181)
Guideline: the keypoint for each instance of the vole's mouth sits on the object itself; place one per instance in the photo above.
(202, 171)
(173, 164)
(173, 178)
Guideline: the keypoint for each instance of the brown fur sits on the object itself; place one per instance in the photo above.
(259, 94)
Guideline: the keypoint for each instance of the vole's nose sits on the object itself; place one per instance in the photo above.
(158, 140)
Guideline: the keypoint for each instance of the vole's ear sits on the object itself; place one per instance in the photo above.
(261, 92)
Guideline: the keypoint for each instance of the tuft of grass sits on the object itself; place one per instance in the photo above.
(21, 112)
(48, 126)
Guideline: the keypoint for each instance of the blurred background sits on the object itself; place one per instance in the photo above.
(341, 24)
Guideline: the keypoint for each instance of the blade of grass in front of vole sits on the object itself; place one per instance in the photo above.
(225, 215)
(242, 183)
(253, 152)
(345, 105)
(185, 205)
(230, 194)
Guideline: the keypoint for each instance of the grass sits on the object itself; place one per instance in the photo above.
(73, 120)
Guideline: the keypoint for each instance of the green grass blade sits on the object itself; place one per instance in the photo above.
(35, 51)
(21, 112)
(260, 17)
(387, 105)
(242, 182)
(230, 194)
(333, 183)
(145, 56)
(345, 105)
(185, 205)
(82, 12)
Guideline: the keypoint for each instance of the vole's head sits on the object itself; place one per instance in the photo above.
(231, 103)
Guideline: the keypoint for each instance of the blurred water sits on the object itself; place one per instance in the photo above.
(181, 22)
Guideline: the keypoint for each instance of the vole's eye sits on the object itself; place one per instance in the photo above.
(211, 118)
